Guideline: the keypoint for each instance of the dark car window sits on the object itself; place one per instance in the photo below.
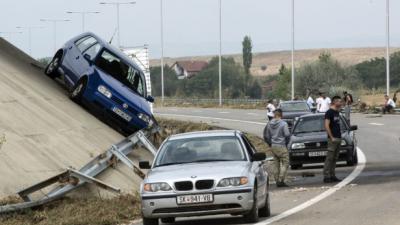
(93, 51)
(124, 73)
(85, 43)
(314, 124)
(200, 149)
(250, 148)
(294, 106)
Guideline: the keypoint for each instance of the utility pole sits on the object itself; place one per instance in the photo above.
(29, 28)
(387, 48)
(9, 34)
(162, 50)
(220, 53)
(117, 4)
(83, 14)
(293, 49)
(55, 21)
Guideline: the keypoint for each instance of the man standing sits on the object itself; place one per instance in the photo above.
(323, 103)
(310, 100)
(270, 110)
(348, 101)
(277, 134)
(389, 105)
(332, 127)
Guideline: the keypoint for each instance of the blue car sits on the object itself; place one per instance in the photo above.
(106, 80)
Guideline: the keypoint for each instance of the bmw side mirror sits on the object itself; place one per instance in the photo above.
(144, 165)
(259, 156)
(88, 58)
(353, 127)
(150, 99)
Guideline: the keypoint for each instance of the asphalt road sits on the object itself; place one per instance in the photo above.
(373, 197)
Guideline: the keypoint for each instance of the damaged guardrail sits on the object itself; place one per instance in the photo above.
(71, 179)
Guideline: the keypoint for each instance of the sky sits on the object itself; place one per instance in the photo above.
(191, 26)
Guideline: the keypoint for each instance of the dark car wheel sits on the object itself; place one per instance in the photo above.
(52, 69)
(296, 166)
(168, 220)
(252, 216)
(266, 210)
(77, 91)
(353, 160)
(148, 221)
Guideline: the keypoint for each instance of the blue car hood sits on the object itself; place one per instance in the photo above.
(125, 92)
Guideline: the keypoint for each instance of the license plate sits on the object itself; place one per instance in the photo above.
(317, 154)
(122, 114)
(194, 199)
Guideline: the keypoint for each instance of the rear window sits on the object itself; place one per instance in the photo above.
(295, 106)
(85, 43)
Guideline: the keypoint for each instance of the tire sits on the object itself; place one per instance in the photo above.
(266, 210)
(296, 166)
(252, 216)
(168, 220)
(77, 91)
(52, 69)
(148, 221)
(354, 159)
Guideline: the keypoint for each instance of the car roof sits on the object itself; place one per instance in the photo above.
(111, 48)
(293, 101)
(210, 133)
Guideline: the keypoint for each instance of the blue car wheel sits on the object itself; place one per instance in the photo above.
(77, 91)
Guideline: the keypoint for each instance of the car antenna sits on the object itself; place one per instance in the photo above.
(112, 37)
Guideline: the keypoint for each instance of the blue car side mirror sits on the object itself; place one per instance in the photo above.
(150, 99)
(88, 58)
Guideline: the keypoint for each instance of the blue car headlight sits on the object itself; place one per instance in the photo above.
(145, 118)
(104, 91)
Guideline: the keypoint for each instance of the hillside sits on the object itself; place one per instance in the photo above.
(273, 60)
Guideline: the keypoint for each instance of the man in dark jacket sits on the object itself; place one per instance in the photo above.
(276, 134)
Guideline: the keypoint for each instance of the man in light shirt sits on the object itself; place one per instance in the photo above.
(323, 103)
(270, 110)
(389, 105)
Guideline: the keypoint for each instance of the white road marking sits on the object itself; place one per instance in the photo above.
(362, 160)
(253, 114)
(376, 124)
(224, 112)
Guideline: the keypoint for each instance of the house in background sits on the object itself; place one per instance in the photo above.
(188, 69)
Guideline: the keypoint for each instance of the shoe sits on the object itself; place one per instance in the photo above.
(335, 179)
(328, 180)
(281, 184)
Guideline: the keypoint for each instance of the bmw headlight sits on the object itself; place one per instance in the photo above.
(343, 143)
(144, 117)
(104, 91)
(233, 181)
(298, 146)
(156, 187)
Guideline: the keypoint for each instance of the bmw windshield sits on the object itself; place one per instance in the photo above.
(294, 107)
(201, 149)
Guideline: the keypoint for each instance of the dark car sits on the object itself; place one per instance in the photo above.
(309, 141)
(293, 109)
(105, 79)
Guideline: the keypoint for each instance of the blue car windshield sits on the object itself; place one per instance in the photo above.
(200, 149)
(122, 72)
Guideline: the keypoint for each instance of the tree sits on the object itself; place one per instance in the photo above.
(247, 61)
(247, 54)
(282, 88)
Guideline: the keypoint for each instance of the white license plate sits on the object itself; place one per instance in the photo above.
(194, 199)
(317, 154)
(122, 114)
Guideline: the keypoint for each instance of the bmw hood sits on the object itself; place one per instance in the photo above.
(293, 115)
(208, 170)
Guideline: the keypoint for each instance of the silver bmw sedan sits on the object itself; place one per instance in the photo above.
(205, 173)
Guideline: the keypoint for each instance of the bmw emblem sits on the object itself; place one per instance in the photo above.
(193, 177)
(125, 105)
(318, 144)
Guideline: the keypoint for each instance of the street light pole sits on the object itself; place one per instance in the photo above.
(162, 51)
(9, 35)
(387, 48)
(55, 21)
(29, 28)
(220, 53)
(117, 4)
(83, 14)
(293, 49)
